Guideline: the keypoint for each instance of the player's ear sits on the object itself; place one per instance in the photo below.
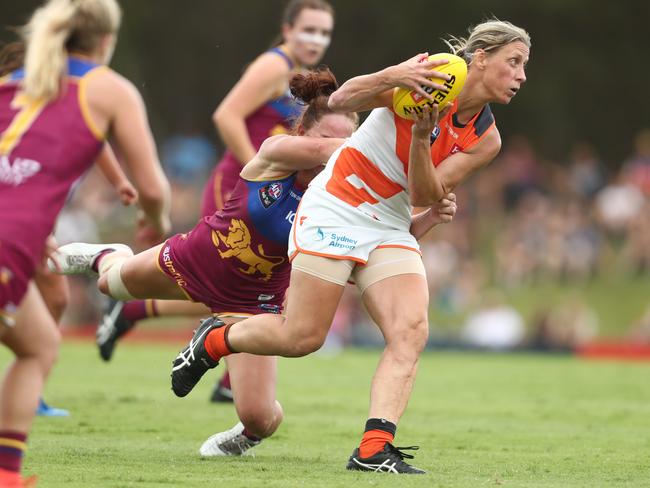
(286, 32)
(479, 59)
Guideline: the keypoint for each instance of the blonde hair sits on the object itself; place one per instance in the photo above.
(488, 36)
(56, 27)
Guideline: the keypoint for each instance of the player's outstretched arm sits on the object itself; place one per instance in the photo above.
(294, 153)
(374, 90)
(123, 111)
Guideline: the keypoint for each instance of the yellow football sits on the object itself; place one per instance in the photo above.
(407, 101)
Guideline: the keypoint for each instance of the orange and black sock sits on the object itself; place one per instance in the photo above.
(216, 343)
(378, 432)
(12, 448)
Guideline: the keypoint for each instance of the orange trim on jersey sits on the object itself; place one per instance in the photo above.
(162, 246)
(399, 246)
(83, 103)
(352, 162)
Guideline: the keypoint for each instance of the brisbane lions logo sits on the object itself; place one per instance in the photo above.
(238, 244)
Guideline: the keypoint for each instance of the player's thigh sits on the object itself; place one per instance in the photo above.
(317, 284)
(35, 332)
(54, 289)
(395, 292)
(142, 276)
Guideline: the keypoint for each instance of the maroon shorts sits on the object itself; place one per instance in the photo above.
(194, 263)
(220, 185)
(16, 269)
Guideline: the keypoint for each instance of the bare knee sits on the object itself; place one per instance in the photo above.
(262, 422)
(55, 292)
(49, 350)
(57, 301)
(408, 344)
(58, 304)
(44, 349)
(304, 345)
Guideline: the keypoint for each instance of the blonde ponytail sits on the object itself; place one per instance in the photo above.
(488, 36)
(45, 58)
(60, 26)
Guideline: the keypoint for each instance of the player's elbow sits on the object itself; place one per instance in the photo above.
(218, 117)
(337, 101)
(427, 198)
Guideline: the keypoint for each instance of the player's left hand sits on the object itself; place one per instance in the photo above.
(427, 119)
(444, 211)
(127, 193)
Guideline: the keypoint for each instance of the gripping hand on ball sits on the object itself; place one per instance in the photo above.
(416, 73)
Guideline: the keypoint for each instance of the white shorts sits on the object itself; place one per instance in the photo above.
(339, 231)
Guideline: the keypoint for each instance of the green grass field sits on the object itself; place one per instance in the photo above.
(481, 420)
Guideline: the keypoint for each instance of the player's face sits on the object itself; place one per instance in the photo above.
(332, 125)
(505, 71)
(309, 36)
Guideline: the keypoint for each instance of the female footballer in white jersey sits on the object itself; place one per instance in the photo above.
(355, 221)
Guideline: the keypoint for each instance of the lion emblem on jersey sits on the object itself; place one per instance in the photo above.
(238, 242)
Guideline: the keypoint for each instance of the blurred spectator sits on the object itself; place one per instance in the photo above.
(495, 325)
(520, 169)
(636, 170)
(617, 204)
(563, 327)
(636, 247)
(640, 331)
(522, 241)
(582, 242)
(586, 175)
(188, 158)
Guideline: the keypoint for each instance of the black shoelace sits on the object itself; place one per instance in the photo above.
(399, 451)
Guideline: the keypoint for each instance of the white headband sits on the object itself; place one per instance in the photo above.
(314, 38)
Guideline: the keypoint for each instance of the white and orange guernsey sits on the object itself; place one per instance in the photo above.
(360, 201)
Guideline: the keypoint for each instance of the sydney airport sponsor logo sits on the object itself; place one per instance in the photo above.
(335, 240)
(17, 172)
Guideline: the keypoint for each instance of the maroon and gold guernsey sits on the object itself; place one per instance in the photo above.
(44, 149)
(235, 261)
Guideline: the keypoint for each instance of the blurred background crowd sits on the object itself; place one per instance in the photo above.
(550, 248)
(541, 254)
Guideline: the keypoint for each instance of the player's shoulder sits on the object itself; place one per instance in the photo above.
(484, 121)
(112, 85)
(270, 63)
(490, 144)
